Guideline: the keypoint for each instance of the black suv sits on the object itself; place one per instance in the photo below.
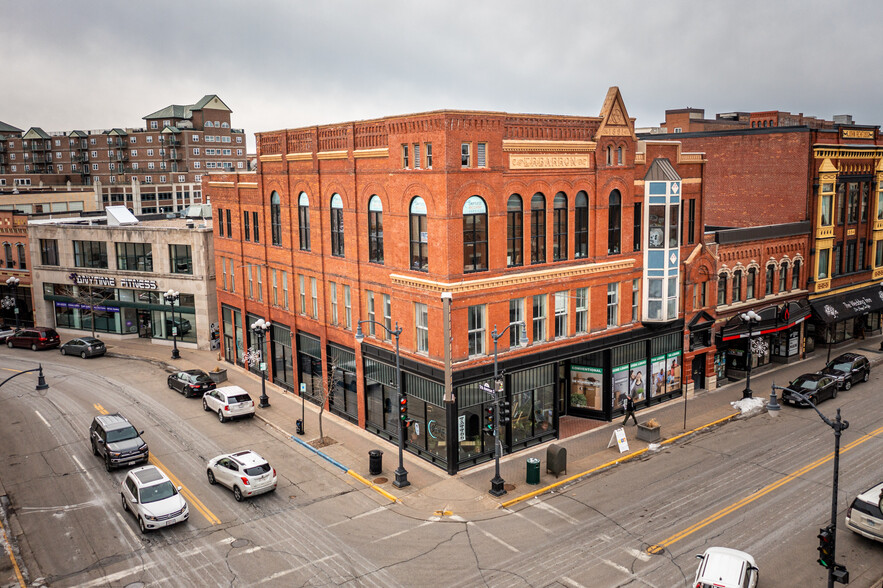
(114, 437)
(848, 369)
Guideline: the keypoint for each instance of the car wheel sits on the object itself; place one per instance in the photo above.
(187, 391)
(33, 346)
(169, 384)
(125, 504)
(141, 524)
(9, 344)
(847, 384)
(107, 465)
(63, 352)
(834, 392)
(204, 405)
(237, 494)
(211, 477)
(867, 376)
(221, 416)
(83, 354)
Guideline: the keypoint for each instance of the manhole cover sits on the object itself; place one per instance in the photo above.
(508, 487)
(380, 480)
(239, 543)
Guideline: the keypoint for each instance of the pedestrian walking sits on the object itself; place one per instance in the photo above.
(628, 404)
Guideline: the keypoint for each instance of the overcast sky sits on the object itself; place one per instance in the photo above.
(89, 65)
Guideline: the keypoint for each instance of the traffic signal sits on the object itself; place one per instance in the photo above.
(826, 547)
(403, 408)
(505, 412)
(489, 418)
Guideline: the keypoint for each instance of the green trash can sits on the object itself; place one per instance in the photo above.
(533, 470)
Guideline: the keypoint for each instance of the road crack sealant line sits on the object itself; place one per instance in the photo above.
(610, 464)
(345, 469)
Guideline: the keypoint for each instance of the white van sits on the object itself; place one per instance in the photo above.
(722, 567)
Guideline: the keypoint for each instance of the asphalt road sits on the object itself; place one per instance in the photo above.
(761, 484)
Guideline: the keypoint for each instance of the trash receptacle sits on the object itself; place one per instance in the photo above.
(533, 470)
(300, 426)
(375, 462)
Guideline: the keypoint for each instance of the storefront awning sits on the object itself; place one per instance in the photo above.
(840, 307)
(772, 320)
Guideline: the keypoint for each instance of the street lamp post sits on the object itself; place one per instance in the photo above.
(13, 283)
(401, 473)
(752, 318)
(172, 297)
(836, 572)
(260, 328)
(497, 481)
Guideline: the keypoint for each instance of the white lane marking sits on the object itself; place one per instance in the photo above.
(528, 519)
(548, 507)
(42, 419)
(637, 553)
(53, 509)
(494, 537)
(402, 532)
(129, 530)
(77, 461)
(625, 571)
(278, 575)
(251, 550)
(227, 540)
(571, 582)
(112, 578)
(358, 516)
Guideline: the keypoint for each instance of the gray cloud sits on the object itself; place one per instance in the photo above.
(287, 64)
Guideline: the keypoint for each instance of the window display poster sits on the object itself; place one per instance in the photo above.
(585, 387)
(620, 385)
(657, 375)
(673, 373)
(638, 380)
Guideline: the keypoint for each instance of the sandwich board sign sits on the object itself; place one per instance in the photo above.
(618, 437)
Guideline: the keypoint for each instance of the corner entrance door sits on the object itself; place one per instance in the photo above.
(698, 370)
(145, 328)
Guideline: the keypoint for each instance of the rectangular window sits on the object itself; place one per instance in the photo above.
(795, 275)
(251, 282)
(878, 260)
(229, 224)
(405, 156)
(429, 156)
(332, 286)
(476, 330)
(387, 315)
(638, 234)
(691, 221)
(612, 305)
(860, 260)
(582, 310)
(481, 155)
(134, 257)
(421, 317)
(749, 285)
(561, 314)
(416, 155)
(824, 254)
(539, 317)
(284, 289)
(232, 277)
(224, 269)
(850, 256)
(49, 251)
(636, 299)
(838, 254)
(372, 316)
(260, 283)
(737, 286)
(465, 160)
(303, 293)
(275, 281)
(246, 226)
(220, 222)
(347, 308)
(180, 259)
(90, 254)
(770, 278)
(254, 225)
(314, 293)
(516, 315)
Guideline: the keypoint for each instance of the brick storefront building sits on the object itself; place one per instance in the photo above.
(473, 221)
(15, 263)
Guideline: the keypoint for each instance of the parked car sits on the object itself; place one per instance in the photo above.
(84, 347)
(848, 369)
(818, 387)
(229, 402)
(113, 437)
(722, 567)
(148, 494)
(182, 324)
(191, 382)
(35, 338)
(245, 473)
(864, 515)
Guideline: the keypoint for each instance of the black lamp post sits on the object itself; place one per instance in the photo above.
(836, 572)
(13, 283)
(752, 318)
(497, 481)
(172, 297)
(401, 473)
(260, 328)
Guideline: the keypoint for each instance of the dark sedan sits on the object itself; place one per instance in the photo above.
(191, 382)
(817, 387)
(84, 347)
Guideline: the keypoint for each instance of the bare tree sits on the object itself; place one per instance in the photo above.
(329, 384)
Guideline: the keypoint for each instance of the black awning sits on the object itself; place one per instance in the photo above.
(840, 307)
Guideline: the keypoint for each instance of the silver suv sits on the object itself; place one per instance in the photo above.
(149, 494)
(113, 437)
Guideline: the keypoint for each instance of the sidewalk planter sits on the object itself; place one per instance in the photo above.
(218, 375)
(648, 433)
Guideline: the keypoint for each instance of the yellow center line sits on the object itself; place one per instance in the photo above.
(188, 494)
(759, 494)
(18, 574)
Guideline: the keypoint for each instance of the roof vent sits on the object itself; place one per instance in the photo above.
(119, 216)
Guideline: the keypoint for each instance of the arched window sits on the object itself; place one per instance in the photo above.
(609, 155)
(559, 227)
(770, 278)
(303, 220)
(7, 249)
(721, 289)
(474, 235)
(375, 230)
(514, 231)
(749, 285)
(737, 286)
(783, 277)
(337, 248)
(538, 228)
(581, 222)
(22, 256)
(276, 218)
(614, 223)
(795, 275)
(619, 156)
(208, 124)
(419, 236)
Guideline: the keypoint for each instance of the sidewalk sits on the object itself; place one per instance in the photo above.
(434, 493)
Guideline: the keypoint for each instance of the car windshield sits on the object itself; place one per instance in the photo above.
(843, 366)
(157, 492)
(258, 470)
(239, 398)
(121, 434)
(801, 383)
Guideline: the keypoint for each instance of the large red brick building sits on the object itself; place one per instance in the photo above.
(472, 222)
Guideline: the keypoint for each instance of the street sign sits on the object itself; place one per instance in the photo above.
(461, 428)
(486, 388)
(263, 366)
(303, 388)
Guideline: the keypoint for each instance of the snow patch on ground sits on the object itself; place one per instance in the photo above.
(747, 405)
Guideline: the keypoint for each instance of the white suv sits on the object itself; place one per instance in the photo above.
(865, 516)
(245, 472)
(153, 499)
(722, 567)
(229, 402)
